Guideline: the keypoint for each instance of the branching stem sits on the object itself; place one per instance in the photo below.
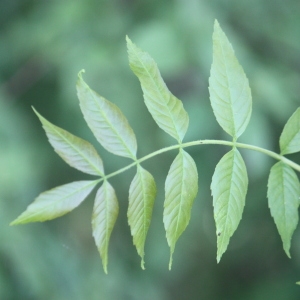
(209, 142)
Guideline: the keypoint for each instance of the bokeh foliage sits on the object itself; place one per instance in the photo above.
(43, 46)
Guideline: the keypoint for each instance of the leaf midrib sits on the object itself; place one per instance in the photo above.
(61, 199)
(110, 124)
(158, 90)
(76, 149)
(228, 84)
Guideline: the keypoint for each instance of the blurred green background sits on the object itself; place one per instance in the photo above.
(43, 45)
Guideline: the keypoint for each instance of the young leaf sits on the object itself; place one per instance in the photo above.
(181, 188)
(290, 138)
(142, 194)
(77, 152)
(165, 108)
(283, 198)
(56, 202)
(106, 121)
(105, 213)
(229, 187)
(230, 94)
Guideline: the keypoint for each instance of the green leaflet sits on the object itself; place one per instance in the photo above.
(142, 193)
(165, 108)
(283, 198)
(75, 151)
(290, 138)
(229, 89)
(229, 187)
(105, 213)
(56, 202)
(181, 188)
(106, 121)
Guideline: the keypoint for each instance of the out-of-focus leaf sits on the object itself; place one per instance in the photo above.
(165, 108)
(56, 202)
(230, 94)
(229, 187)
(283, 196)
(106, 121)
(77, 152)
(105, 213)
(181, 188)
(142, 193)
(290, 137)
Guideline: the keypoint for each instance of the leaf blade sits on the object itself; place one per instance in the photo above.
(165, 108)
(106, 121)
(290, 137)
(230, 94)
(181, 188)
(75, 151)
(229, 187)
(56, 202)
(283, 201)
(142, 193)
(105, 213)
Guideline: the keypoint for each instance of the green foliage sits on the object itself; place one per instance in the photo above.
(165, 108)
(56, 202)
(229, 187)
(230, 98)
(181, 189)
(142, 194)
(283, 195)
(106, 209)
(229, 89)
(290, 138)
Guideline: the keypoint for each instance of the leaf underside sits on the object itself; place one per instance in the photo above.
(75, 151)
(290, 138)
(230, 97)
(56, 202)
(283, 200)
(165, 108)
(142, 194)
(229, 187)
(105, 213)
(181, 188)
(230, 94)
(106, 121)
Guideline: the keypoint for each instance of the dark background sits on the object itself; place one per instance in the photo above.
(43, 45)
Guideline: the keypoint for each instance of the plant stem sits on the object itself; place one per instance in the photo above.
(209, 142)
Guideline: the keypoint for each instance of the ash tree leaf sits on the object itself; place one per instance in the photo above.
(106, 121)
(230, 94)
(283, 199)
(75, 151)
(56, 202)
(181, 188)
(229, 187)
(142, 193)
(165, 108)
(105, 213)
(290, 138)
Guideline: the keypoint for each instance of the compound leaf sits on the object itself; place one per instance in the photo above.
(165, 108)
(283, 198)
(56, 202)
(290, 138)
(106, 121)
(230, 94)
(229, 187)
(181, 188)
(142, 194)
(105, 213)
(77, 152)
